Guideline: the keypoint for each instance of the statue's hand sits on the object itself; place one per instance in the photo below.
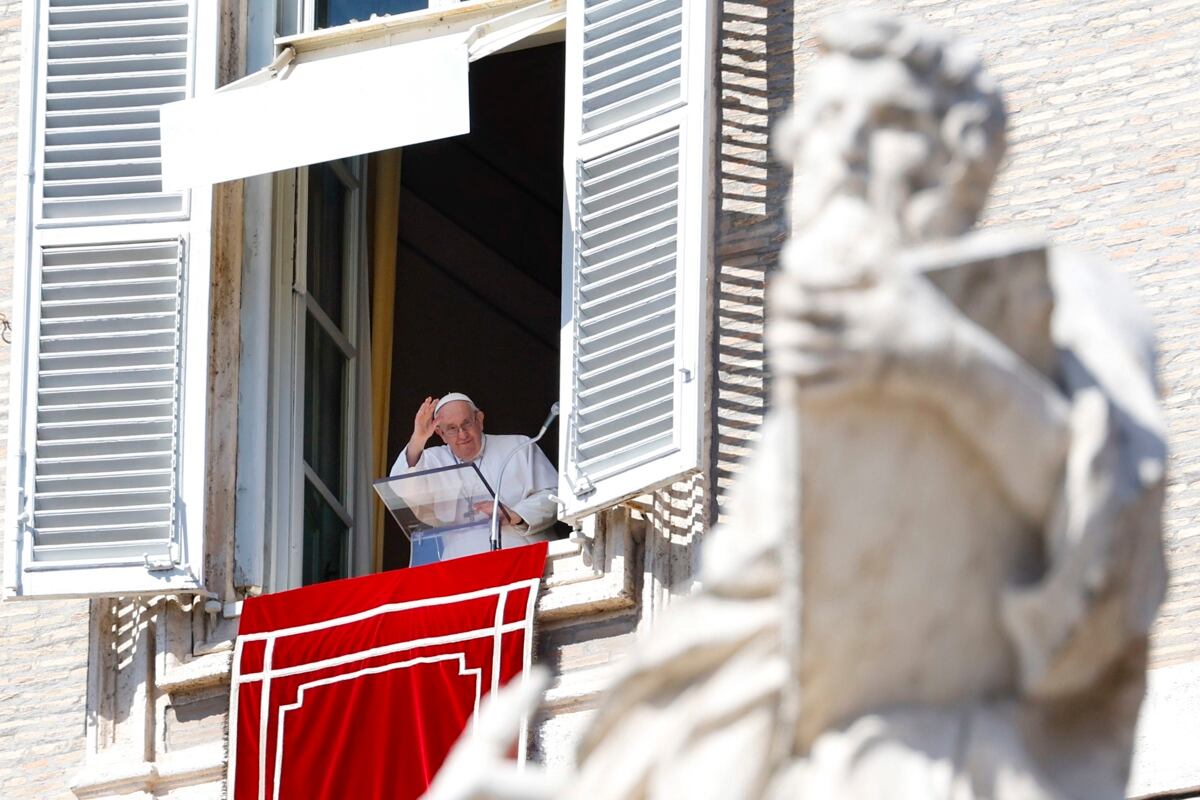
(889, 334)
(894, 335)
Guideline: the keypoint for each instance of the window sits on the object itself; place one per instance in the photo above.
(320, 329)
(628, 241)
(331, 276)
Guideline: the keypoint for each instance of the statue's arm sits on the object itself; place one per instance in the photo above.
(1106, 573)
(898, 336)
(1016, 418)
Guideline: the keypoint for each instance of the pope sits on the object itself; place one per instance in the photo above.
(526, 507)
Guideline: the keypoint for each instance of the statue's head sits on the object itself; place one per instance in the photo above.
(897, 119)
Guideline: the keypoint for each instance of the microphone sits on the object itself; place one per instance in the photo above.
(549, 420)
(495, 527)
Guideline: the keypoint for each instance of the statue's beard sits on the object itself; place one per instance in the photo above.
(840, 240)
(845, 227)
(839, 212)
(895, 210)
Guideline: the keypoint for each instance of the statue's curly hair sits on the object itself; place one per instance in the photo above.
(969, 102)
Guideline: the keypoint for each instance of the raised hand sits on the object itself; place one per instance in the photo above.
(423, 428)
(423, 424)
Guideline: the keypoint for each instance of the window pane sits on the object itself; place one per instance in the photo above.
(325, 539)
(339, 12)
(326, 240)
(324, 406)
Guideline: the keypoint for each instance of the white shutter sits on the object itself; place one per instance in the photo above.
(110, 320)
(107, 404)
(637, 167)
(108, 67)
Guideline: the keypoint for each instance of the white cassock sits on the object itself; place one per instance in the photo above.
(529, 481)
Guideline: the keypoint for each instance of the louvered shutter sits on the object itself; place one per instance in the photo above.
(108, 67)
(110, 313)
(638, 170)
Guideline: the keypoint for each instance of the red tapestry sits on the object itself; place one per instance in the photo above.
(359, 688)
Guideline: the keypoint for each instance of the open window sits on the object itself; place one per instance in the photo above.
(549, 203)
(478, 266)
(450, 290)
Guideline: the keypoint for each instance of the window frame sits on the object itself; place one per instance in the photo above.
(290, 312)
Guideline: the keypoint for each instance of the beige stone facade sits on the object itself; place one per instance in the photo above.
(1104, 148)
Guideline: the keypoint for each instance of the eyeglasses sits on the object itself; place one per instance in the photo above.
(452, 431)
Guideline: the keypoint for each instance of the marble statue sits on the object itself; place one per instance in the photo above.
(944, 557)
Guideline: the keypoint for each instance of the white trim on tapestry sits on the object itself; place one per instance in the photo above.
(268, 653)
(300, 692)
(268, 675)
(406, 605)
(498, 636)
(526, 665)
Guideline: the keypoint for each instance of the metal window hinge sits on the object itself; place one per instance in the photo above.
(160, 563)
(25, 518)
(282, 61)
(226, 610)
(582, 487)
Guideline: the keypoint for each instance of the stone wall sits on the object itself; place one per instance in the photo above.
(43, 644)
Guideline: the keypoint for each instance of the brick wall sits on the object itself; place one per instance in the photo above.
(43, 644)
(755, 73)
(1104, 148)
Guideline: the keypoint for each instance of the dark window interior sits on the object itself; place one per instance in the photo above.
(326, 535)
(478, 279)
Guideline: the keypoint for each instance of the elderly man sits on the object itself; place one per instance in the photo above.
(526, 507)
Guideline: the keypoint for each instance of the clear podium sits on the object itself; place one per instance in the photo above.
(443, 511)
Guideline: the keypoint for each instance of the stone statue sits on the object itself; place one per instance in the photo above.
(943, 560)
